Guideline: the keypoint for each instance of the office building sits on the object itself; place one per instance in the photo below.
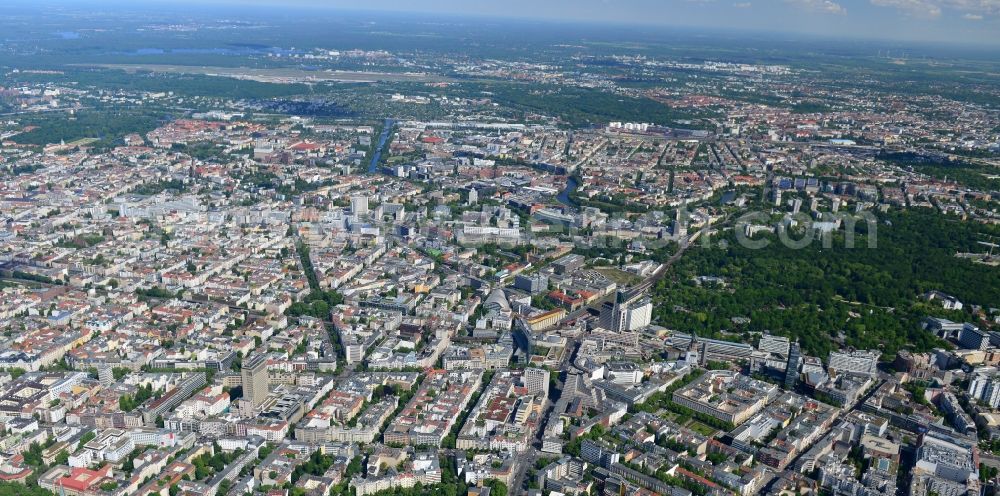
(711, 349)
(777, 345)
(359, 205)
(105, 374)
(726, 395)
(623, 373)
(598, 452)
(984, 385)
(354, 352)
(626, 314)
(534, 284)
(536, 380)
(948, 457)
(973, 338)
(680, 228)
(185, 388)
(792, 369)
(254, 372)
(568, 264)
(856, 362)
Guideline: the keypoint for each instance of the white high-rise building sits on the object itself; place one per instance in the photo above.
(626, 314)
(639, 314)
(359, 205)
(255, 379)
(985, 386)
(105, 374)
(355, 352)
(536, 380)
(681, 220)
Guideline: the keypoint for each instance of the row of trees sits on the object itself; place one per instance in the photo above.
(319, 301)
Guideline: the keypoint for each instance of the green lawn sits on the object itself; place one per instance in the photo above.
(701, 428)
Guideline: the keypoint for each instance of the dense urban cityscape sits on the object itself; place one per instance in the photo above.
(252, 255)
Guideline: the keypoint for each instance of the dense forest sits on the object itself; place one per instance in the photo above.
(107, 126)
(862, 297)
(577, 106)
(964, 172)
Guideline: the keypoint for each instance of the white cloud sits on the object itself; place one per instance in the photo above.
(742, 5)
(971, 9)
(822, 6)
(990, 7)
(918, 8)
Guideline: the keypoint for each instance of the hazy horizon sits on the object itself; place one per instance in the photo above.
(971, 22)
(953, 21)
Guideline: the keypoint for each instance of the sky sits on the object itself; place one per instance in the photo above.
(955, 21)
(969, 21)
